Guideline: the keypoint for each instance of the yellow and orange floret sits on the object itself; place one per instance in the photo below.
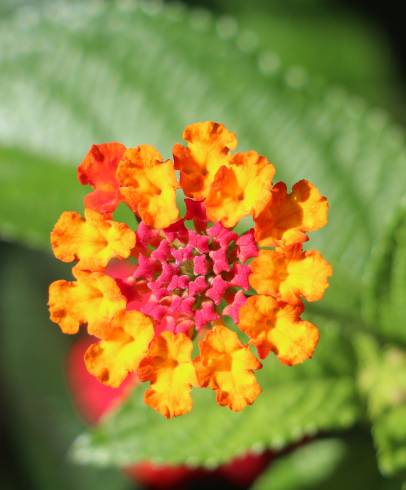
(148, 294)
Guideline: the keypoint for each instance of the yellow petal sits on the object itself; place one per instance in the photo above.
(290, 274)
(110, 361)
(277, 327)
(149, 186)
(169, 368)
(241, 189)
(226, 366)
(94, 299)
(93, 241)
(208, 149)
(287, 218)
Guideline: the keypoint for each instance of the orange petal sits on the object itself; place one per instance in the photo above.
(241, 189)
(288, 217)
(208, 149)
(169, 368)
(226, 366)
(94, 241)
(290, 274)
(94, 299)
(149, 186)
(110, 361)
(277, 327)
(99, 170)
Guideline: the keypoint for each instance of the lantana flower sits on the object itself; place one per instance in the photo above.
(175, 285)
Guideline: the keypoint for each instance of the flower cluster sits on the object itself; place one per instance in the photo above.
(147, 294)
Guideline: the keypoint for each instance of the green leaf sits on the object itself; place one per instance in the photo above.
(37, 410)
(382, 379)
(327, 464)
(94, 72)
(385, 305)
(34, 192)
(390, 437)
(325, 39)
(81, 73)
(319, 395)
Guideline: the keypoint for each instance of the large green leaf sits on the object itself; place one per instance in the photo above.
(294, 403)
(77, 74)
(385, 305)
(94, 72)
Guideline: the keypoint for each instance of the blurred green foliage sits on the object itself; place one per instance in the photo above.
(40, 415)
(77, 73)
(329, 464)
(326, 39)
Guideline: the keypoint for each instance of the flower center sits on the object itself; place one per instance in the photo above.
(185, 279)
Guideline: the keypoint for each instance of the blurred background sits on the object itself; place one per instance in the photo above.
(316, 85)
